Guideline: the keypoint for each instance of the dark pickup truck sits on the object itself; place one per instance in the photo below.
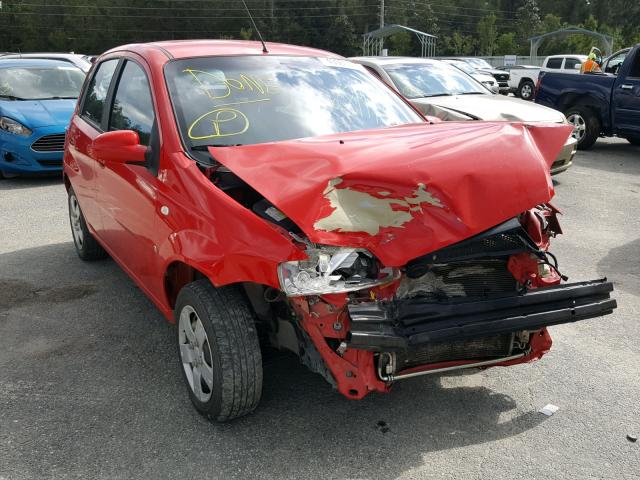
(597, 104)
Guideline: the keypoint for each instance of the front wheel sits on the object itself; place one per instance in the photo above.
(633, 140)
(586, 126)
(525, 90)
(87, 247)
(218, 350)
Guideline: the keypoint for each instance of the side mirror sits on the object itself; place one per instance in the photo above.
(577, 66)
(119, 146)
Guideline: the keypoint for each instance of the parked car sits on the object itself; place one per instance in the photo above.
(508, 68)
(483, 66)
(286, 191)
(523, 80)
(597, 103)
(438, 90)
(74, 59)
(37, 98)
(484, 78)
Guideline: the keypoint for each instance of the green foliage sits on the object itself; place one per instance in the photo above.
(463, 27)
(487, 35)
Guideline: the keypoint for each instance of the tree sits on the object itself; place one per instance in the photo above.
(506, 44)
(487, 35)
(528, 22)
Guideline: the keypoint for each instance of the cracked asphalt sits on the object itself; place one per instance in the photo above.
(90, 385)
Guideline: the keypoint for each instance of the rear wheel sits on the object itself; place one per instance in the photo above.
(87, 247)
(218, 350)
(525, 90)
(586, 126)
(634, 140)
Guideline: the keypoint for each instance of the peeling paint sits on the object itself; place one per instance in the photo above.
(356, 211)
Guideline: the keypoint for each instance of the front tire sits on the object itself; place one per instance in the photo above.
(526, 89)
(586, 126)
(87, 247)
(218, 350)
(633, 140)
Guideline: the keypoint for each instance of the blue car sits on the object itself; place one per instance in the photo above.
(37, 98)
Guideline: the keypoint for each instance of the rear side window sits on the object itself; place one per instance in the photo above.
(570, 63)
(97, 90)
(132, 106)
(554, 63)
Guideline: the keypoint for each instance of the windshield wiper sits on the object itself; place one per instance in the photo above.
(437, 95)
(58, 98)
(12, 97)
(205, 148)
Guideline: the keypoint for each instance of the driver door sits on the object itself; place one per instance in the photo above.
(625, 100)
(127, 192)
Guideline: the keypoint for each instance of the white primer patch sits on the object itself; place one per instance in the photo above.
(356, 211)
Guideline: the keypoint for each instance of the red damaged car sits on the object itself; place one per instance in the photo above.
(289, 196)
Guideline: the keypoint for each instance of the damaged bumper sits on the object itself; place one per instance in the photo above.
(402, 324)
(565, 157)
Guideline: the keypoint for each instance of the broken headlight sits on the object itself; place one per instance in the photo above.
(333, 270)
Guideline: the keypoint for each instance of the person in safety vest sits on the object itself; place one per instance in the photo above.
(592, 63)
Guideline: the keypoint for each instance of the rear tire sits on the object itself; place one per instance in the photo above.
(218, 350)
(526, 90)
(87, 247)
(586, 126)
(633, 140)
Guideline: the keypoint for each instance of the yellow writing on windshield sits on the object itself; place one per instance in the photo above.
(216, 85)
(221, 122)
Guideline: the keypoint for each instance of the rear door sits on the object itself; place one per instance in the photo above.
(625, 99)
(127, 192)
(571, 65)
(84, 128)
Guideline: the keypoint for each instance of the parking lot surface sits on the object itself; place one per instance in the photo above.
(90, 385)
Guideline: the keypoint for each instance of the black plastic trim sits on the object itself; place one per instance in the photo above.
(400, 324)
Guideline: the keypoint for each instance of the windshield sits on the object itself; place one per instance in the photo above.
(419, 80)
(479, 63)
(256, 99)
(39, 83)
(465, 67)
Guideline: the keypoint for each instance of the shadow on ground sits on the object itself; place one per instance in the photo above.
(91, 387)
(31, 181)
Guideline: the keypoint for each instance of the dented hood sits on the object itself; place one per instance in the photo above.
(405, 191)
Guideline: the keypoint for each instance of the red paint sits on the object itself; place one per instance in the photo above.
(482, 173)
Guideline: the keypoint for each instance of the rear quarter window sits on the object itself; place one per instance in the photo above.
(554, 63)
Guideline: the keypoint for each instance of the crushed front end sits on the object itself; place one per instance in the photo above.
(485, 301)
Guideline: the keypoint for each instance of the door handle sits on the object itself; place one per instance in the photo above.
(626, 86)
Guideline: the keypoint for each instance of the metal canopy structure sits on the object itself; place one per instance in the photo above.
(374, 40)
(537, 40)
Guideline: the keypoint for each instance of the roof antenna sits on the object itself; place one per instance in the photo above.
(264, 45)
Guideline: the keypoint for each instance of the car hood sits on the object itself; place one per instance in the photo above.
(404, 191)
(488, 107)
(38, 113)
(492, 71)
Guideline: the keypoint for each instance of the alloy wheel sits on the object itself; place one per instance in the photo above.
(76, 226)
(195, 352)
(526, 92)
(579, 126)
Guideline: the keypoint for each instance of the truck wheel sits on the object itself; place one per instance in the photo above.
(87, 246)
(526, 89)
(586, 126)
(633, 140)
(218, 350)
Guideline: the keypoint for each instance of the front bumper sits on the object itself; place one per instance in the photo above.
(17, 155)
(401, 324)
(565, 157)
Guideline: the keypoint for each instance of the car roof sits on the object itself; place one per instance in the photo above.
(392, 60)
(34, 62)
(178, 49)
(575, 55)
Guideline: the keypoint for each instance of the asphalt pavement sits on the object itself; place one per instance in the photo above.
(90, 384)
